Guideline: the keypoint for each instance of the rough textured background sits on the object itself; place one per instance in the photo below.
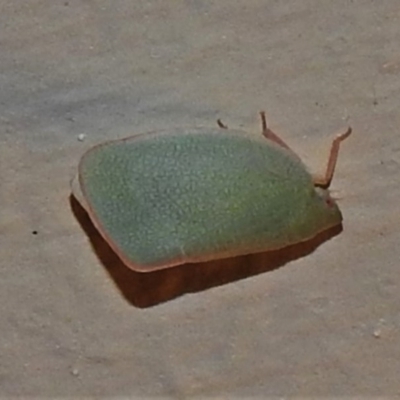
(74, 321)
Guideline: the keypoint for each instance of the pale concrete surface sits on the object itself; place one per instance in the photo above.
(75, 322)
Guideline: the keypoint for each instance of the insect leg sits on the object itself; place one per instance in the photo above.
(221, 124)
(325, 181)
(267, 133)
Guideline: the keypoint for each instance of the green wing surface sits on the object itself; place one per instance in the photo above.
(166, 198)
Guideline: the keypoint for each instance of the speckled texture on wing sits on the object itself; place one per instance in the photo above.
(166, 198)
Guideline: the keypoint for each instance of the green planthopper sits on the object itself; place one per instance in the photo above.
(197, 194)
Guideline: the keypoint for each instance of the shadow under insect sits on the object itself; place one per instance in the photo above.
(152, 288)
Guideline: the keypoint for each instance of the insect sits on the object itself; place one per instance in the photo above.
(197, 194)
